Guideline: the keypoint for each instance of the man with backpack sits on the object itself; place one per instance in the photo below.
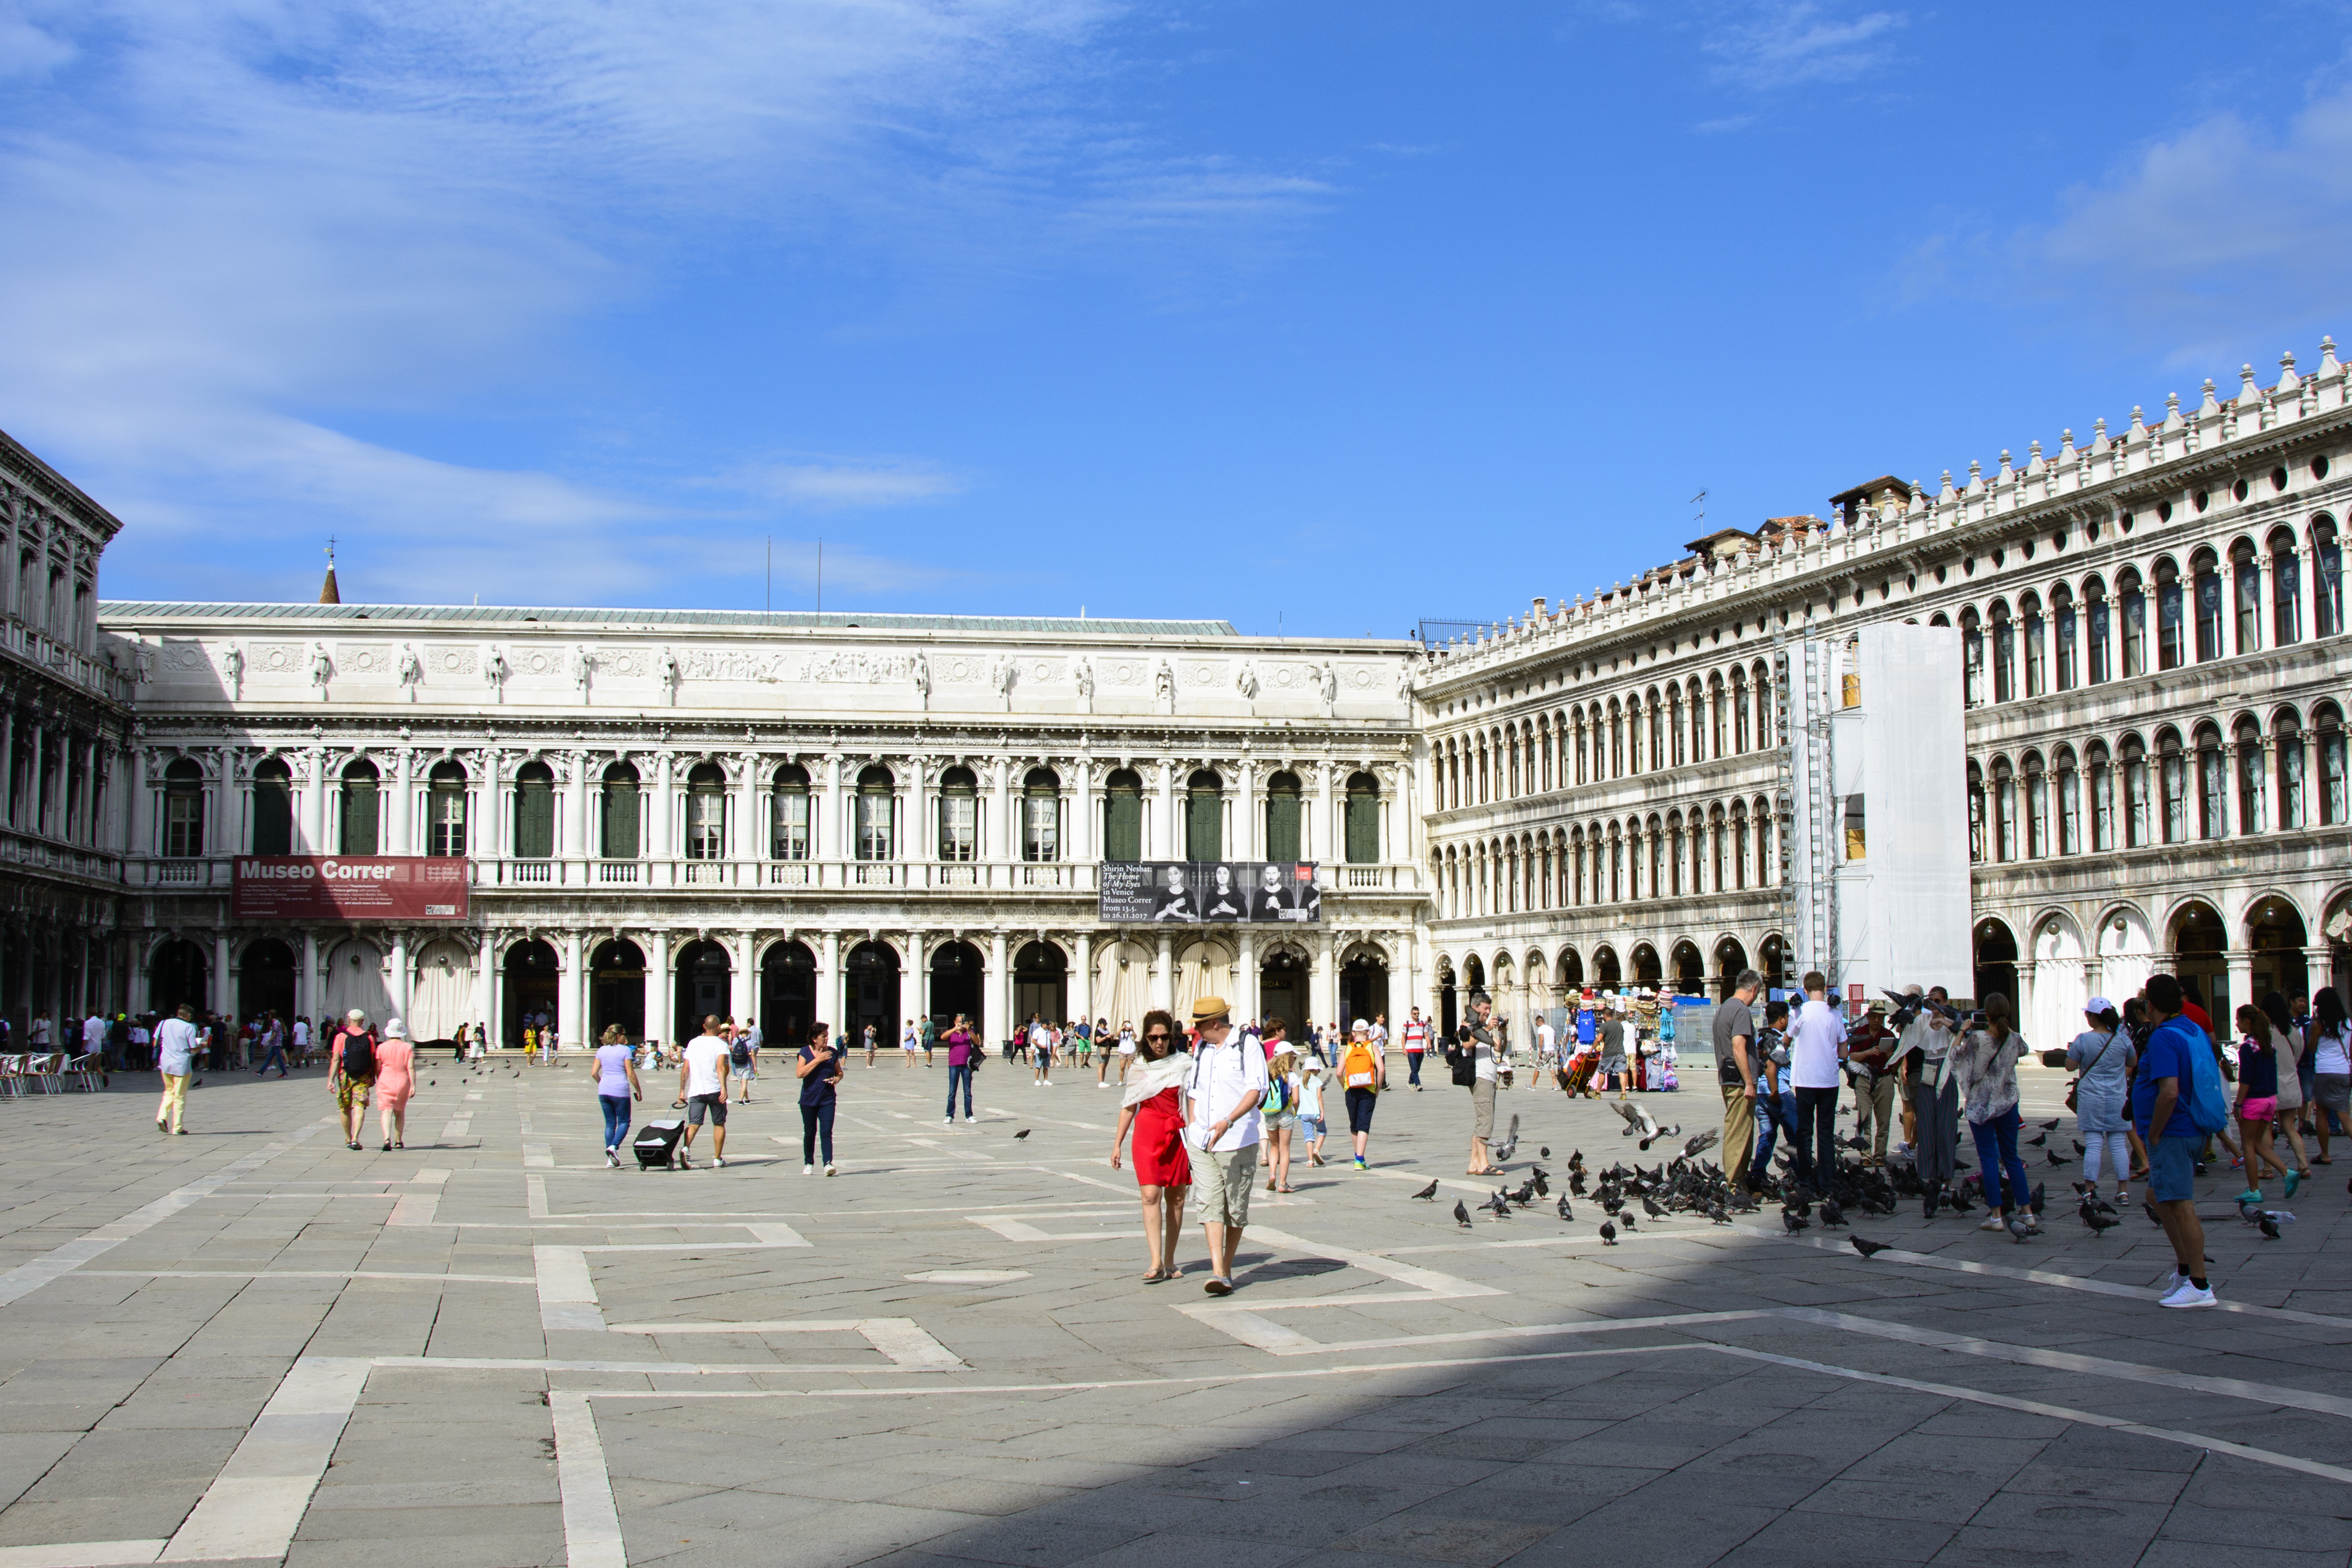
(743, 1058)
(2177, 1101)
(350, 1067)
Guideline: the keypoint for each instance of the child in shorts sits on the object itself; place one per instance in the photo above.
(1310, 1108)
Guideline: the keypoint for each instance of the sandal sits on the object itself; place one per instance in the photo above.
(1158, 1277)
(1289, 1189)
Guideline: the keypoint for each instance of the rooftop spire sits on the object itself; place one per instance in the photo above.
(327, 592)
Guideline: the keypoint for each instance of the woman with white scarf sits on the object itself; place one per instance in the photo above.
(1151, 1103)
(1922, 1058)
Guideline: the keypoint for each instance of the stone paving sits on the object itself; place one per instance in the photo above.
(251, 1344)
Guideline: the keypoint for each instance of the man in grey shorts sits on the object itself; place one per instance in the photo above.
(1221, 1094)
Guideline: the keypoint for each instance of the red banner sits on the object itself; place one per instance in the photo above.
(348, 887)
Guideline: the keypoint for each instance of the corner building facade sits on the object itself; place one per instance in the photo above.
(857, 818)
(2154, 679)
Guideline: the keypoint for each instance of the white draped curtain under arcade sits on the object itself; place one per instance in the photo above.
(355, 979)
(1203, 969)
(1122, 995)
(441, 996)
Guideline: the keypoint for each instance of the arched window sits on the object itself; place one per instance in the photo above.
(1616, 739)
(1204, 816)
(2172, 785)
(2037, 646)
(1041, 815)
(358, 813)
(2326, 578)
(2068, 639)
(2004, 654)
(788, 814)
(2205, 570)
(878, 814)
(1975, 815)
(2037, 808)
(2094, 633)
(2286, 740)
(2246, 573)
(1653, 755)
(617, 813)
(1282, 818)
(2139, 798)
(2286, 590)
(958, 814)
(2252, 780)
(273, 808)
(2005, 810)
(1762, 687)
(183, 811)
(1363, 820)
(2330, 723)
(534, 812)
(1972, 658)
(2135, 622)
(706, 813)
(1740, 734)
(445, 810)
(2171, 626)
(2069, 784)
(1718, 842)
(1123, 816)
(2212, 821)
(2102, 795)
(1739, 845)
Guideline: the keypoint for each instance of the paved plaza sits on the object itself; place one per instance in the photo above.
(251, 1344)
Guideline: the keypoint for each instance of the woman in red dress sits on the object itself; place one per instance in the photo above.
(1148, 1102)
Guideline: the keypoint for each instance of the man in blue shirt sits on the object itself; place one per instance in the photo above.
(2160, 1093)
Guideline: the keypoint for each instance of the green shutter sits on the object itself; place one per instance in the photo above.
(534, 819)
(273, 818)
(1363, 829)
(1123, 825)
(621, 819)
(359, 817)
(1204, 825)
(1282, 828)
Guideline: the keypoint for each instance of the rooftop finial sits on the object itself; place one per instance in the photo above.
(327, 592)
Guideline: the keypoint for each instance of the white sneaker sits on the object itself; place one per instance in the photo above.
(1994, 1223)
(808, 1170)
(719, 1161)
(947, 1122)
(829, 1169)
(2185, 1294)
(970, 1120)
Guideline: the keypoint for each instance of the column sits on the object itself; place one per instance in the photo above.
(1244, 998)
(660, 821)
(1404, 984)
(310, 997)
(1161, 840)
(999, 1021)
(1325, 838)
(577, 844)
(484, 963)
(1248, 837)
(998, 777)
(1325, 983)
(497, 1020)
(747, 831)
(1163, 976)
(224, 993)
(400, 826)
(2241, 964)
(1077, 834)
(827, 1003)
(660, 1008)
(142, 803)
(2318, 970)
(739, 990)
(572, 999)
(1082, 997)
(314, 808)
(400, 979)
(910, 982)
(831, 831)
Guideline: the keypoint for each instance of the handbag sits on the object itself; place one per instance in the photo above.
(2075, 1082)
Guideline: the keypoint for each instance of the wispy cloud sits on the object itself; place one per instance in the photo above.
(839, 484)
(1779, 45)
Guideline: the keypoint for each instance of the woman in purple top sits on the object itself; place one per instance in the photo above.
(616, 1085)
(963, 1052)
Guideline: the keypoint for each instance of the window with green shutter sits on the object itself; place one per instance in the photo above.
(1282, 836)
(620, 813)
(1363, 820)
(1123, 816)
(534, 829)
(359, 810)
(273, 808)
(1204, 817)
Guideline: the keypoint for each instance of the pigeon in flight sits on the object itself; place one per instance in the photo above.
(1461, 1214)
(1700, 1142)
(1428, 1192)
(1868, 1248)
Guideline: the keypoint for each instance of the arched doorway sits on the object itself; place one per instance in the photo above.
(1690, 970)
(1040, 978)
(1571, 972)
(787, 994)
(1730, 958)
(2274, 933)
(2198, 941)
(532, 972)
(1363, 987)
(1648, 971)
(1449, 1009)
(355, 978)
(616, 993)
(1474, 976)
(869, 994)
(1772, 963)
(956, 987)
(441, 990)
(1996, 965)
(700, 989)
(176, 973)
(2126, 953)
(1606, 972)
(2060, 988)
(265, 979)
(1282, 990)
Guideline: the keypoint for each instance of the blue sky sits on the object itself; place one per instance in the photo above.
(1343, 312)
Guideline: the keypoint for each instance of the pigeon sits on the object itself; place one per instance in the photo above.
(1429, 1192)
(1022, 1133)
(1959, 1202)
(1544, 1153)
(1608, 1234)
(2038, 1139)
(1510, 1146)
(1499, 1205)
(1793, 1221)
(2019, 1228)
(1867, 1249)
(2034, 1201)
(1718, 1214)
(2100, 1223)
(1625, 1224)
(2057, 1159)
(1701, 1142)
(1526, 1195)
(1833, 1216)
(2269, 1227)
(1650, 1206)
(1461, 1214)
(1565, 1213)
(1543, 1187)
(2051, 1123)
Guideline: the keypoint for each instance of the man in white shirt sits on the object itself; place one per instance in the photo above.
(1547, 1045)
(1416, 1045)
(1221, 1132)
(1816, 1046)
(702, 1084)
(175, 1058)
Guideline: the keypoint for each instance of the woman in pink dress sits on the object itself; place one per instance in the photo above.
(1163, 1172)
(395, 1080)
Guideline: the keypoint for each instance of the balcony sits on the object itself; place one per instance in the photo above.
(69, 665)
(614, 871)
(33, 851)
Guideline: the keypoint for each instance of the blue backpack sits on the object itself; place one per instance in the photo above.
(2203, 1096)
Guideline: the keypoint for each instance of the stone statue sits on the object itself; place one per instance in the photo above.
(1163, 681)
(1001, 677)
(584, 669)
(1329, 680)
(1245, 680)
(412, 669)
(923, 679)
(1404, 681)
(322, 669)
(1086, 676)
(669, 674)
(495, 672)
(233, 666)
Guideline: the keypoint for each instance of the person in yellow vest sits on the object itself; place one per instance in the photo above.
(1363, 1073)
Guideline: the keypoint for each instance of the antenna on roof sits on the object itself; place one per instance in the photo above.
(1699, 500)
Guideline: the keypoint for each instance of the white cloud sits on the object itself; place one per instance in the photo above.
(1793, 43)
(2224, 231)
(840, 484)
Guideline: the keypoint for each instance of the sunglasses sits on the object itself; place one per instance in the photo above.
(1159, 1036)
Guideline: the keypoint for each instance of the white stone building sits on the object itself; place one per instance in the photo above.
(2155, 679)
(859, 818)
